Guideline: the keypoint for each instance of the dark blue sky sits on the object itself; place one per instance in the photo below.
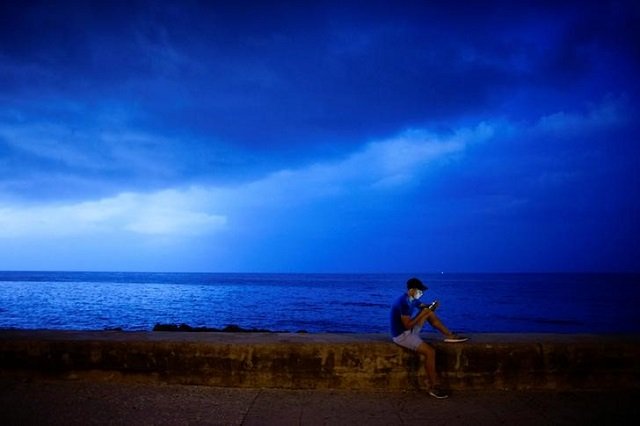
(335, 137)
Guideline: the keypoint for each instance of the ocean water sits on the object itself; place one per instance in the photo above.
(358, 303)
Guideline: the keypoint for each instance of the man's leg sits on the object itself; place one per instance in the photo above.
(411, 340)
(438, 325)
(429, 354)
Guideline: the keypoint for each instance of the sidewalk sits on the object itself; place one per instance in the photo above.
(69, 402)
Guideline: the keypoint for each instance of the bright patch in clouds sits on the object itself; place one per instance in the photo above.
(393, 162)
(612, 112)
(383, 164)
(169, 212)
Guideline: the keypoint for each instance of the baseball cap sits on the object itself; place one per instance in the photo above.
(415, 283)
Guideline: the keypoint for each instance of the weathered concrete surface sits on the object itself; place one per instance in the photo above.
(88, 402)
(324, 361)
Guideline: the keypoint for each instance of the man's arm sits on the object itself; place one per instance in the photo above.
(409, 322)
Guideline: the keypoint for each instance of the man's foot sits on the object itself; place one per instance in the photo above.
(438, 393)
(454, 338)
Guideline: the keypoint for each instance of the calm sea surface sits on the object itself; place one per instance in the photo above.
(561, 303)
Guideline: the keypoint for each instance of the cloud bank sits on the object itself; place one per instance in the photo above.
(427, 135)
(197, 210)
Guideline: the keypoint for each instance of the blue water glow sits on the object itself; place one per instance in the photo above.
(558, 303)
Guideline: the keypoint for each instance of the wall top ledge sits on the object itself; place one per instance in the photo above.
(251, 338)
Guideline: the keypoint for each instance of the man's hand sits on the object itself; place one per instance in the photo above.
(432, 307)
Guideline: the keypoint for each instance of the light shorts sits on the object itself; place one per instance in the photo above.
(410, 339)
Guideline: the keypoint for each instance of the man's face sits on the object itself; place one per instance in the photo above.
(417, 293)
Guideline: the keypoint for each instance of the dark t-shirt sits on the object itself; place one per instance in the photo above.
(402, 306)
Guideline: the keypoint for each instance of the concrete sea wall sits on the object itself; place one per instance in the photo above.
(345, 361)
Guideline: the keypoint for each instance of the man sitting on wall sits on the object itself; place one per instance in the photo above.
(405, 330)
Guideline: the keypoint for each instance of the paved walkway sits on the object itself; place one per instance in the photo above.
(68, 402)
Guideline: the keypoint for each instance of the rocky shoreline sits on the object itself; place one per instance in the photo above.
(231, 328)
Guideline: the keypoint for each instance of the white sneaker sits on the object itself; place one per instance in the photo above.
(455, 339)
(438, 393)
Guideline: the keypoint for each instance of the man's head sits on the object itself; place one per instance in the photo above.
(415, 288)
